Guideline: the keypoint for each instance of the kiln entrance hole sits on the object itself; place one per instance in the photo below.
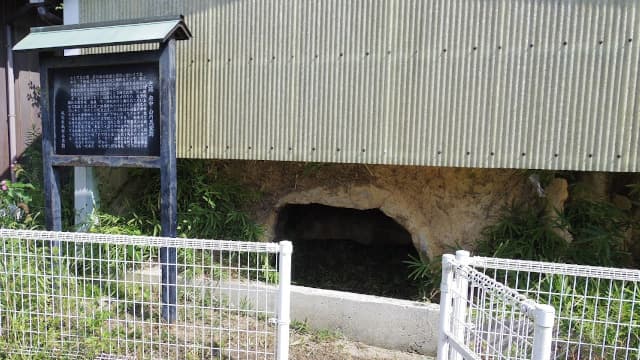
(362, 251)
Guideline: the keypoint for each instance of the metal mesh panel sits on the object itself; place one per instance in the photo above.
(596, 312)
(497, 324)
(99, 297)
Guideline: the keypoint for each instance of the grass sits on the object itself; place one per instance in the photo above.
(316, 335)
(599, 314)
(54, 306)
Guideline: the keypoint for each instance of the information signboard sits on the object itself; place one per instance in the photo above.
(106, 110)
(112, 110)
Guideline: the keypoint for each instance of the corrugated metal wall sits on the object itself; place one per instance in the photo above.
(474, 83)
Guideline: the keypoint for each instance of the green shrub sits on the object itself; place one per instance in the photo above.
(209, 205)
(598, 229)
(525, 232)
(522, 232)
(598, 232)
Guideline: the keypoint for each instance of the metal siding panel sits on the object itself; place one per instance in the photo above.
(441, 83)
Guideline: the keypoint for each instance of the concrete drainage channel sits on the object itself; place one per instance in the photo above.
(373, 320)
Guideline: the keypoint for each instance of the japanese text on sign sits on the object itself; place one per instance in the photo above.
(106, 111)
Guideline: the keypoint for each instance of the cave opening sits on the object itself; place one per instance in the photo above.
(361, 251)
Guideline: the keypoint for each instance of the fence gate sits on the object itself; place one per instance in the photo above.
(480, 318)
(98, 297)
(516, 309)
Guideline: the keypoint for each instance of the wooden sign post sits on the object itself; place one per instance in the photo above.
(115, 110)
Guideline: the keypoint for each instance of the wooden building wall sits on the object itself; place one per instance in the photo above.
(27, 82)
(5, 8)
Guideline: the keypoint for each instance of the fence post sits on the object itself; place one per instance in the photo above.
(460, 300)
(445, 307)
(284, 300)
(544, 316)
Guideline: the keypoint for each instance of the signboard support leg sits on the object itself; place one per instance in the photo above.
(51, 176)
(168, 178)
(53, 217)
(168, 258)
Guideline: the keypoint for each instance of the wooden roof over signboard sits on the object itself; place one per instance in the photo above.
(148, 30)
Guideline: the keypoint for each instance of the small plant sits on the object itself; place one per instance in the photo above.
(245, 304)
(301, 327)
(319, 335)
(326, 335)
(14, 193)
(14, 204)
(427, 275)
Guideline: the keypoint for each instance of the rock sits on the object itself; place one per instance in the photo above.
(624, 203)
(442, 208)
(621, 202)
(594, 186)
(557, 193)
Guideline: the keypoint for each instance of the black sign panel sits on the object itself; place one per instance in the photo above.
(106, 110)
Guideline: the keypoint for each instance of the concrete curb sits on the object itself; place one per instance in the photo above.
(378, 321)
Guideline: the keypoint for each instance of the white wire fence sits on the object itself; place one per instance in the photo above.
(97, 296)
(597, 308)
(480, 318)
